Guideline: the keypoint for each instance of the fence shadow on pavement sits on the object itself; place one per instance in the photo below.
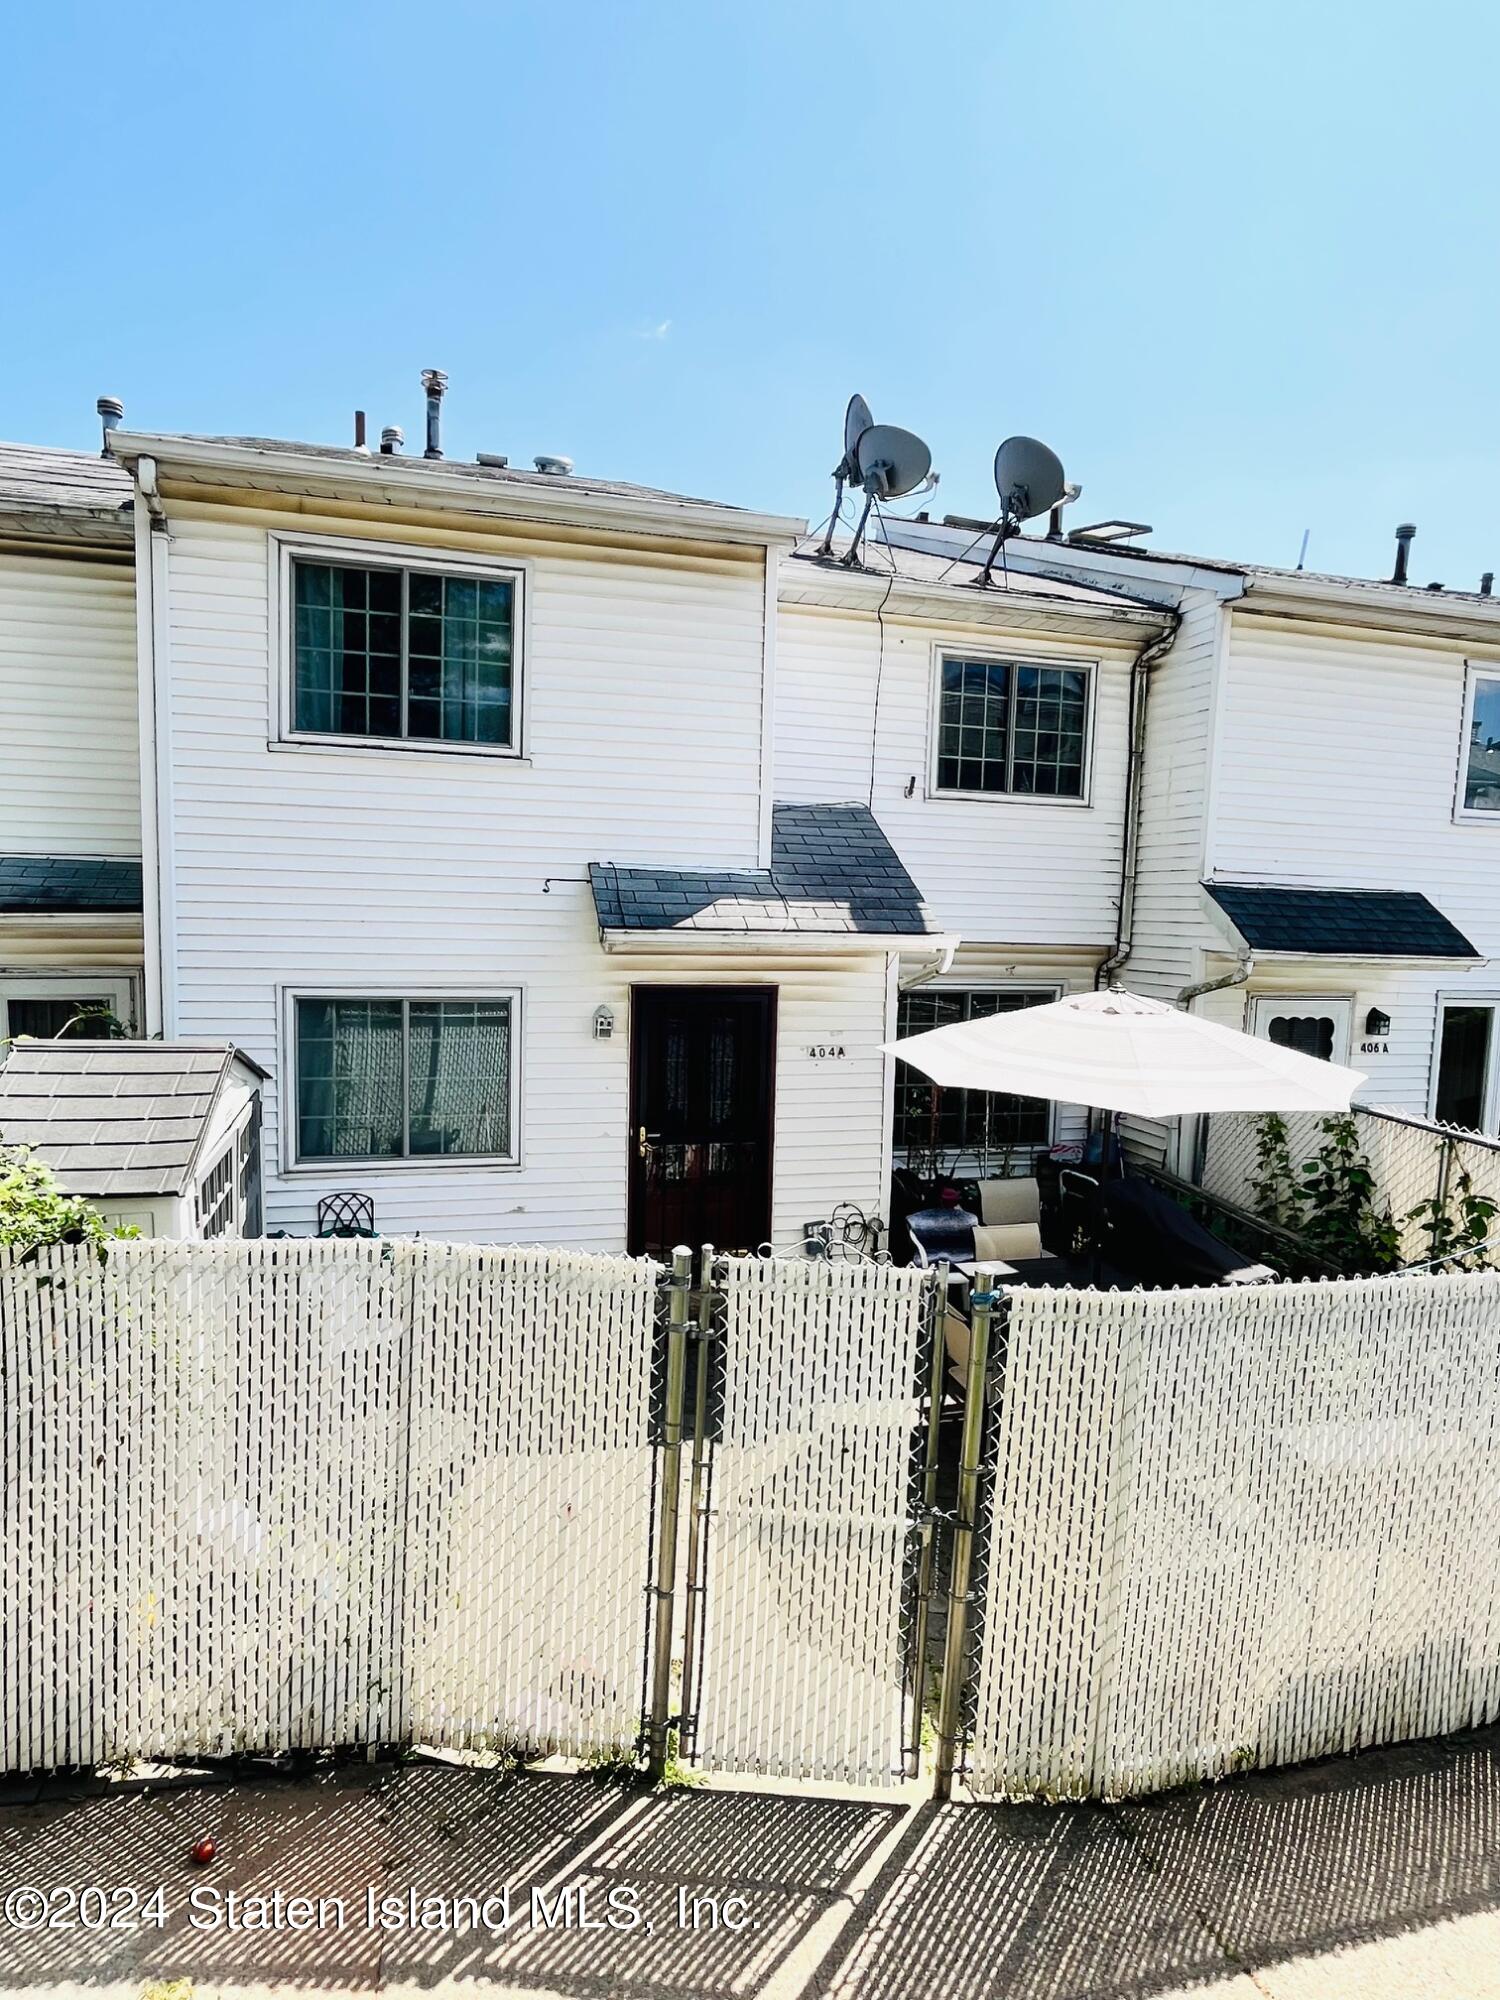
(845, 1897)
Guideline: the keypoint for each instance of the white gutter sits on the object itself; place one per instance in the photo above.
(944, 964)
(772, 943)
(408, 481)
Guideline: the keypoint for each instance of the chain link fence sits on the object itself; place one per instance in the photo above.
(1414, 1161)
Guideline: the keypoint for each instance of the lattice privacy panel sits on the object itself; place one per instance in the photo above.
(268, 1495)
(1239, 1528)
(802, 1663)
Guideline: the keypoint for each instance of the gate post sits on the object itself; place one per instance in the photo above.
(950, 1699)
(693, 1586)
(666, 1545)
(937, 1304)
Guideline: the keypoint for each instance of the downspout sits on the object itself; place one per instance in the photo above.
(1130, 834)
(941, 965)
(151, 541)
(1185, 998)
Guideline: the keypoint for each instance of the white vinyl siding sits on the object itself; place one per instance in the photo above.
(69, 756)
(855, 707)
(341, 870)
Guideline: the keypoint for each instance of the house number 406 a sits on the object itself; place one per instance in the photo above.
(827, 1051)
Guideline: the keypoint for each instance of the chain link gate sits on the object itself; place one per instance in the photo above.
(805, 1388)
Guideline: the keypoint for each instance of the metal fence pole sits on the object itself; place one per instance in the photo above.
(692, 1614)
(666, 1544)
(950, 1700)
(927, 1521)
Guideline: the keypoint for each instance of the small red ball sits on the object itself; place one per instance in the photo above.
(204, 1850)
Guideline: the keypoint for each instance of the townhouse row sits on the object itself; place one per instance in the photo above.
(561, 852)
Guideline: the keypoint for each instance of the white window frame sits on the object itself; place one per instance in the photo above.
(1338, 1006)
(421, 1163)
(1456, 997)
(116, 987)
(1475, 671)
(1008, 656)
(954, 982)
(358, 553)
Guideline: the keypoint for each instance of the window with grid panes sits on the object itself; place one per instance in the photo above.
(963, 1124)
(403, 653)
(1007, 727)
(383, 1079)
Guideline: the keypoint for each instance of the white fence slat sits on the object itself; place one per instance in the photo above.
(802, 1674)
(1239, 1527)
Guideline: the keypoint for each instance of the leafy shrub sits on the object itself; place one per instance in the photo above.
(34, 1211)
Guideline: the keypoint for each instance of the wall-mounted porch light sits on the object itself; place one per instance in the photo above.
(604, 1023)
(1377, 1024)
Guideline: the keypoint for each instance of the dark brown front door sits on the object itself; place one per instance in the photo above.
(702, 1090)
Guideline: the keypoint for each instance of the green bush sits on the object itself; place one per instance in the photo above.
(34, 1211)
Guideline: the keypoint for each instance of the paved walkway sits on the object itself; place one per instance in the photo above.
(1377, 1877)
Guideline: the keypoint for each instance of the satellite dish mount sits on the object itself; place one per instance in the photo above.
(857, 420)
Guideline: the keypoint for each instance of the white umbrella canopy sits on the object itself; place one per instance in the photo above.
(1120, 1052)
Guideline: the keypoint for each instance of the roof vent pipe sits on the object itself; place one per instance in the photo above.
(359, 431)
(391, 440)
(1404, 536)
(1487, 583)
(434, 381)
(111, 411)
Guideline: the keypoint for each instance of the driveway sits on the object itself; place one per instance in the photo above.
(1370, 1877)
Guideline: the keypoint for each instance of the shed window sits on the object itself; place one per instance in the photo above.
(939, 1129)
(403, 654)
(1482, 750)
(383, 1079)
(1008, 727)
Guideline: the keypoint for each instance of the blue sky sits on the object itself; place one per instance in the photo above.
(1236, 262)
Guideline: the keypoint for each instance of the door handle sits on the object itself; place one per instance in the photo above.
(643, 1144)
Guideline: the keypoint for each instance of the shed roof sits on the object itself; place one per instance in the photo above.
(115, 1118)
(1339, 923)
(833, 872)
(67, 884)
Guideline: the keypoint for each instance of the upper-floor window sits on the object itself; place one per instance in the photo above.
(1009, 727)
(1481, 767)
(403, 654)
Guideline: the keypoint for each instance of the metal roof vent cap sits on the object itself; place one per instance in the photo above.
(111, 413)
(1404, 536)
(546, 461)
(391, 440)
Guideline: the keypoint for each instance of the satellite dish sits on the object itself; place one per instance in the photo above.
(891, 461)
(857, 420)
(1030, 480)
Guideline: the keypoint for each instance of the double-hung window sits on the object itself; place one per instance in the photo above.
(1009, 727)
(396, 1079)
(399, 654)
(1479, 773)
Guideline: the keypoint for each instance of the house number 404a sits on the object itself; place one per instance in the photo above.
(827, 1051)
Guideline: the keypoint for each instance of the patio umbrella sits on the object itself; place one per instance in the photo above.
(1120, 1052)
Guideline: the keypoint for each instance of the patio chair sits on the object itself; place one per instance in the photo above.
(346, 1214)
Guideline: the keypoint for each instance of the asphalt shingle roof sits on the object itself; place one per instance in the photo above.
(832, 871)
(57, 884)
(40, 484)
(113, 1118)
(1340, 923)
